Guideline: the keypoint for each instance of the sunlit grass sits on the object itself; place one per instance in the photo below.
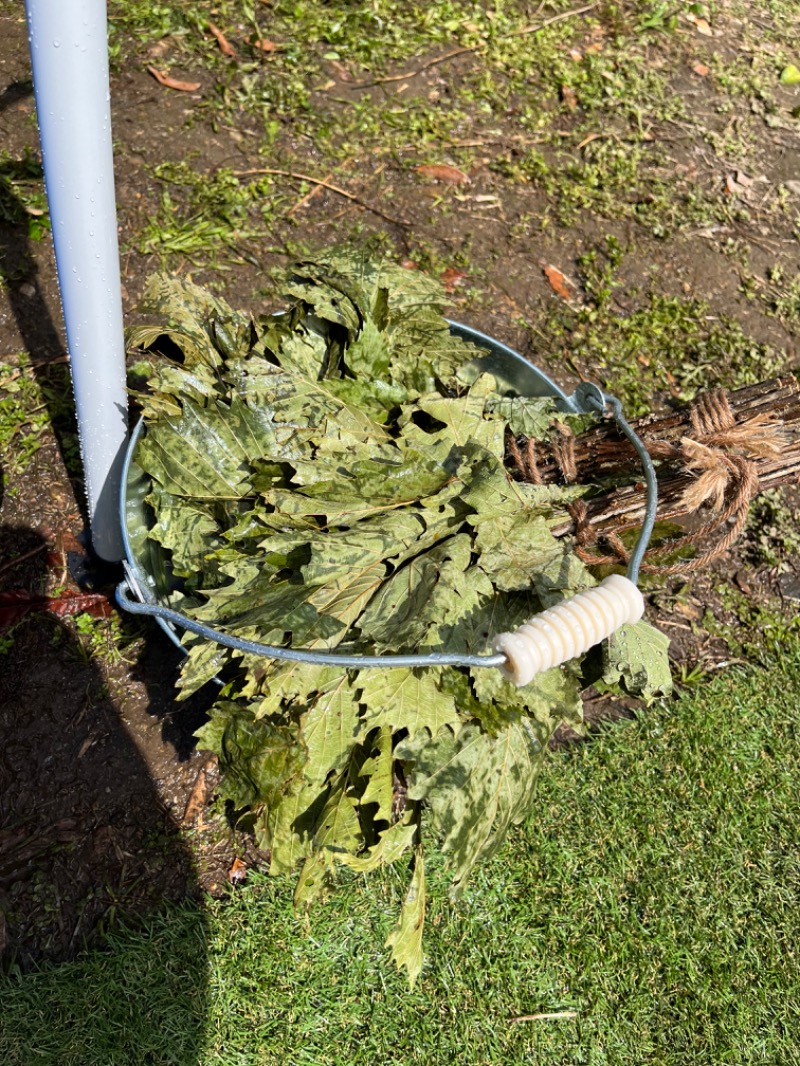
(652, 906)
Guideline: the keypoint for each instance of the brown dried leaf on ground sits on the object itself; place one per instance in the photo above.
(452, 278)
(559, 283)
(173, 83)
(267, 46)
(237, 872)
(16, 604)
(198, 797)
(444, 173)
(225, 45)
(570, 97)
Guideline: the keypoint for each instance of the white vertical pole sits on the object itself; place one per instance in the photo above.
(69, 54)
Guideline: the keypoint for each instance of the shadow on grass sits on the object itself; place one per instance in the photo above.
(88, 852)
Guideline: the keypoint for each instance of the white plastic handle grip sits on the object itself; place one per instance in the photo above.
(569, 629)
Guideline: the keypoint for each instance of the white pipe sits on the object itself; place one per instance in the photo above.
(69, 54)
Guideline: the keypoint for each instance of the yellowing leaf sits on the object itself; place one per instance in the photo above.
(406, 699)
(329, 728)
(405, 939)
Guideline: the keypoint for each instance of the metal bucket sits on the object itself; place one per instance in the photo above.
(149, 573)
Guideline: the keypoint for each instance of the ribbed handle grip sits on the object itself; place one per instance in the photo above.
(569, 629)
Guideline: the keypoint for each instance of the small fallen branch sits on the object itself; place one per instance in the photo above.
(324, 185)
(713, 457)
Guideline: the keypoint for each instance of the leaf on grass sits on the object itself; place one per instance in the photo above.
(393, 844)
(405, 939)
(475, 785)
(636, 657)
(285, 828)
(174, 83)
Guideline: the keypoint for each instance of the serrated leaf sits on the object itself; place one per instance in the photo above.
(285, 828)
(259, 758)
(329, 729)
(423, 591)
(406, 699)
(204, 661)
(338, 828)
(312, 880)
(378, 771)
(393, 844)
(475, 785)
(369, 356)
(514, 547)
(636, 656)
(185, 528)
(527, 416)
(405, 939)
(195, 455)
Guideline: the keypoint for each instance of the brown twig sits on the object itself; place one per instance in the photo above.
(324, 185)
(420, 70)
(21, 558)
(549, 22)
(308, 196)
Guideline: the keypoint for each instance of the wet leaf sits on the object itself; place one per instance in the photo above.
(636, 657)
(326, 480)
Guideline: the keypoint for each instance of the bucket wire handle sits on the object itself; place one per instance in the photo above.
(553, 637)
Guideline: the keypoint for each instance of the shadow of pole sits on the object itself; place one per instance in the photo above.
(87, 847)
(29, 303)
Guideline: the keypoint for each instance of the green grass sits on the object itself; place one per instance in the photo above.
(656, 897)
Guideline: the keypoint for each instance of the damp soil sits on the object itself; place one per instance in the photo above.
(106, 805)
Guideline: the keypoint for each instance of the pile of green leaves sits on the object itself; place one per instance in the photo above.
(334, 478)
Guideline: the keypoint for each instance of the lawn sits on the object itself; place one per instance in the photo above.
(650, 914)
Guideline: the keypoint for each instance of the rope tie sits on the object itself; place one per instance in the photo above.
(717, 458)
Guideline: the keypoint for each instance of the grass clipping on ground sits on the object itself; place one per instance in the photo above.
(334, 478)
